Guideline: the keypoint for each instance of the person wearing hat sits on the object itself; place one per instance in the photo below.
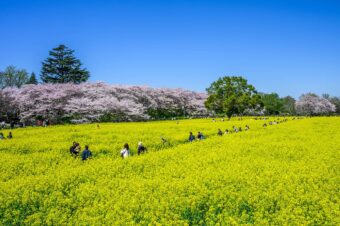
(141, 148)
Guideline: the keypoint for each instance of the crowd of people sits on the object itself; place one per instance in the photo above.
(200, 135)
(86, 153)
(75, 149)
(125, 152)
(275, 122)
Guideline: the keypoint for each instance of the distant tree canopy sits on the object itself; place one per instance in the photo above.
(63, 67)
(272, 103)
(231, 95)
(13, 77)
(289, 105)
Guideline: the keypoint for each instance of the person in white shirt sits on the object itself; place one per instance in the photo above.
(125, 152)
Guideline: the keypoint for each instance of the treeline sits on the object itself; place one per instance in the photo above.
(96, 102)
(309, 104)
(62, 95)
(14, 77)
(232, 95)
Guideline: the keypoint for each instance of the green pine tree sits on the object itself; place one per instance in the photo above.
(32, 79)
(63, 67)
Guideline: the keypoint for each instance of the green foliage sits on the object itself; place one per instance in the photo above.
(336, 102)
(197, 214)
(13, 77)
(32, 80)
(289, 105)
(63, 67)
(231, 95)
(273, 103)
(162, 113)
(112, 117)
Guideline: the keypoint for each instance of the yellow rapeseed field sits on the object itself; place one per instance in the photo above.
(284, 174)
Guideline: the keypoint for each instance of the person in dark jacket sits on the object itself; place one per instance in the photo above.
(200, 136)
(86, 153)
(191, 137)
(73, 148)
(219, 133)
(141, 148)
(10, 136)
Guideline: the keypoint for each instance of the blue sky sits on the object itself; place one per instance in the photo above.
(288, 47)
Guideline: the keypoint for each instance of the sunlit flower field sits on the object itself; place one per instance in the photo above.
(282, 174)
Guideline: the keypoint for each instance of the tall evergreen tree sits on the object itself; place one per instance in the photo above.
(63, 67)
(32, 79)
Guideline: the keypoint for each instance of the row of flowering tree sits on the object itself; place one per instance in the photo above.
(89, 102)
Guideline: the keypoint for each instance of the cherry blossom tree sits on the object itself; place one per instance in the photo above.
(312, 104)
(88, 102)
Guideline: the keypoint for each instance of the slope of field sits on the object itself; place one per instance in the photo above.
(283, 174)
